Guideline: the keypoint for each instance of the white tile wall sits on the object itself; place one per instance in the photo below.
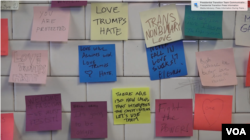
(132, 71)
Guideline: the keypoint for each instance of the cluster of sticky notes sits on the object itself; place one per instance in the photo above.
(7, 126)
(131, 105)
(4, 37)
(97, 63)
(29, 66)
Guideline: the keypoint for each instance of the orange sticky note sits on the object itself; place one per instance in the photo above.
(4, 37)
(7, 126)
(211, 111)
(248, 73)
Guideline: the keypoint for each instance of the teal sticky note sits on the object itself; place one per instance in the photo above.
(203, 23)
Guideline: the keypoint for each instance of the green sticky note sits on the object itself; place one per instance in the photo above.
(203, 23)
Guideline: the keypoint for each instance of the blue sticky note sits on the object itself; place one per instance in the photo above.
(97, 63)
(165, 61)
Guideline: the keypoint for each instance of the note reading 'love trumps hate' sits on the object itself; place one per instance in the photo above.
(161, 25)
(131, 105)
(4, 37)
(29, 67)
(7, 126)
(89, 120)
(97, 63)
(217, 67)
(211, 111)
(109, 21)
(165, 61)
(50, 24)
(43, 112)
(173, 117)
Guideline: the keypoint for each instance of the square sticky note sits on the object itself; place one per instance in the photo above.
(161, 25)
(165, 61)
(217, 67)
(7, 126)
(43, 112)
(97, 63)
(29, 67)
(68, 3)
(4, 37)
(50, 24)
(109, 21)
(131, 105)
(203, 23)
(173, 117)
(211, 111)
(89, 120)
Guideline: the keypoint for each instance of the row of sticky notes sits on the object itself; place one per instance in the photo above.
(173, 117)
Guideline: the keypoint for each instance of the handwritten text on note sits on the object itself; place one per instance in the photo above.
(50, 24)
(9, 5)
(29, 66)
(131, 105)
(89, 120)
(217, 67)
(7, 126)
(174, 117)
(43, 112)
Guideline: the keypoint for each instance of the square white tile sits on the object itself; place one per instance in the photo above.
(7, 94)
(242, 96)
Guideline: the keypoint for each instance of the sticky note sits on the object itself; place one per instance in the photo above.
(248, 3)
(167, 60)
(161, 25)
(89, 120)
(43, 112)
(97, 63)
(248, 72)
(68, 3)
(217, 67)
(242, 28)
(29, 67)
(203, 23)
(131, 105)
(9, 5)
(7, 126)
(173, 117)
(109, 21)
(50, 24)
(211, 111)
(4, 37)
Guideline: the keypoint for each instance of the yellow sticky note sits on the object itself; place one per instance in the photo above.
(131, 105)
(161, 25)
(109, 21)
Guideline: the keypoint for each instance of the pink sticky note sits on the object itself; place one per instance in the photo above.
(7, 126)
(69, 3)
(173, 117)
(50, 24)
(43, 112)
(29, 67)
(89, 120)
(217, 67)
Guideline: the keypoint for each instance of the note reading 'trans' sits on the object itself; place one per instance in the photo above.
(43, 112)
(161, 25)
(173, 117)
(29, 67)
(109, 21)
(217, 67)
(131, 105)
(50, 24)
(7, 126)
(165, 61)
(97, 63)
(89, 120)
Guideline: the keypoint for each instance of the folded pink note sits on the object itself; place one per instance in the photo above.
(217, 67)
(50, 24)
(29, 67)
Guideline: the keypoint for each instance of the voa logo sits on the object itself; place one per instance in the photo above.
(236, 131)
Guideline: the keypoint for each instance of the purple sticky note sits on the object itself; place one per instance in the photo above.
(68, 3)
(89, 119)
(43, 112)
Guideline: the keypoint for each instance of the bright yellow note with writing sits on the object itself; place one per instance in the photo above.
(161, 25)
(131, 105)
(109, 21)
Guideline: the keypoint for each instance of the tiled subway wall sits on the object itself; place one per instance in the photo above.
(132, 71)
